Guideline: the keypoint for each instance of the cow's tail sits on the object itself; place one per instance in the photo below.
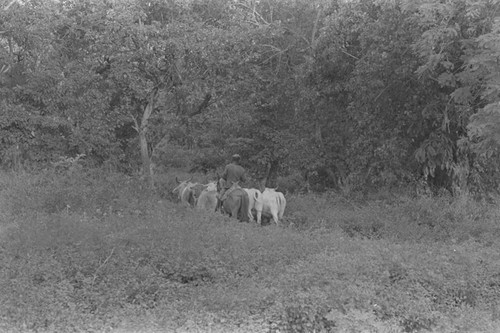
(281, 205)
(245, 203)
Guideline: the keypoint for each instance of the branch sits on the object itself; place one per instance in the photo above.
(148, 109)
(10, 4)
(101, 266)
(203, 105)
(136, 124)
(350, 55)
(255, 13)
(160, 142)
(315, 28)
(278, 53)
(383, 91)
(295, 33)
(277, 49)
(4, 69)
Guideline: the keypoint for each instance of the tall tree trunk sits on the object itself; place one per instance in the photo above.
(145, 158)
(263, 181)
(147, 171)
(271, 175)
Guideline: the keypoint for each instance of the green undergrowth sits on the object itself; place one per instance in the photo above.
(117, 257)
(405, 219)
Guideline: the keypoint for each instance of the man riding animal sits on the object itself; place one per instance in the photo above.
(233, 173)
(232, 198)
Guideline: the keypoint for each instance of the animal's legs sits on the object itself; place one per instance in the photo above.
(250, 215)
(234, 211)
(259, 217)
(275, 218)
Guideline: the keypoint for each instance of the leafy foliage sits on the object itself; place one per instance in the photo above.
(356, 94)
(114, 254)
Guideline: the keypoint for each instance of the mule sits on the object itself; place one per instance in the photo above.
(235, 201)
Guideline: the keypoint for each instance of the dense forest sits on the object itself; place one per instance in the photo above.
(330, 94)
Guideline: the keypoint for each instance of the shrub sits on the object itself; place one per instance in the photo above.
(442, 219)
(140, 258)
(208, 161)
(169, 155)
(305, 319)
(370, 228)
(291, 184)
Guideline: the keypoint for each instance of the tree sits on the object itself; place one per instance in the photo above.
(401, 64)
(361, 93)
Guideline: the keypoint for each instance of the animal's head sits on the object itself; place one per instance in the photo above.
(181, 185)
(270, 189)
(211, 186)
(188, 195)
(196, 189)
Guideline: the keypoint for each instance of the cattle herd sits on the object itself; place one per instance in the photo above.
(268, 203)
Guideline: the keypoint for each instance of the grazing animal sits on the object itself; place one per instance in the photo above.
(255, 203)
(234, 202)
(197, 189)
(185, 191)
(211, 186)
(208, 197)
(274, 204)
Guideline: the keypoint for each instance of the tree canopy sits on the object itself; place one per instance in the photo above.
(358, 93)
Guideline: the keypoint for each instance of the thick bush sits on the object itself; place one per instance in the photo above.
(119, 258)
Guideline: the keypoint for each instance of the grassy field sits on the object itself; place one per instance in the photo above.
(96, 252)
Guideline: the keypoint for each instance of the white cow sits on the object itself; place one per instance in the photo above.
(255, 203)
(185, 192)
(212, 186)
(208, 197)
(274, 204)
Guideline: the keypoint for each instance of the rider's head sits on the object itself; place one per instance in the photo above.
(236, 158)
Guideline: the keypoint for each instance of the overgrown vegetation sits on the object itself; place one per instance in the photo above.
(90, 251)
(331, 94)
(377, 118)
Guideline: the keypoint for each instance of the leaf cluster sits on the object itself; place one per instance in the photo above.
(366, 93)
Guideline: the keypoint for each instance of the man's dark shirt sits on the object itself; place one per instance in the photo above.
(233, 173)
